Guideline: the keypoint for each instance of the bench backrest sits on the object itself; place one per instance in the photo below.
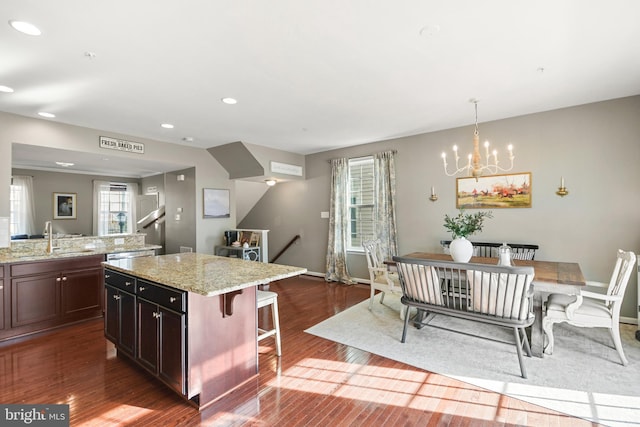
(491, 290)
(490, 249)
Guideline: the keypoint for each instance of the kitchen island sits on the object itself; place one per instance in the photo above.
(189, 319)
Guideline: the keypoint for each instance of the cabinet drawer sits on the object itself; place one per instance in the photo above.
(55, 266)
(166, 297)
(119, 280)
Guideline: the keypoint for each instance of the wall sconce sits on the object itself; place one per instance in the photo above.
(270, 182)
(433, 197)
(562, 190)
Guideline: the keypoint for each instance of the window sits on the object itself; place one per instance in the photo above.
(361, 202)
(21, 205)
(115, 207)
(16, 206)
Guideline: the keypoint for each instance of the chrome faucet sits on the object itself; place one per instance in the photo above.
(48, 229)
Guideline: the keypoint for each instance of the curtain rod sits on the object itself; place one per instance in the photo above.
(362, 157)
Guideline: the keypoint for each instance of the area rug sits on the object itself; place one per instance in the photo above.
(583, 378)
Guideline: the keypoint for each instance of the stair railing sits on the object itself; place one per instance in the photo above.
(295, 238)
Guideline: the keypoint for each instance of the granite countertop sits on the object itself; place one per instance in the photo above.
(207, 275)
(11, 257)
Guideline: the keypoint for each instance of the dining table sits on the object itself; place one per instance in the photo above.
(549, 277)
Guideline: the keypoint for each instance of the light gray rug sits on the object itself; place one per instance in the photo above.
(583, 377)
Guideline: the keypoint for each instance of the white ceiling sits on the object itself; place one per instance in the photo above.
(311, 75)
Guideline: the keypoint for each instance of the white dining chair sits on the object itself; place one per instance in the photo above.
(592, 309)
(380, 278)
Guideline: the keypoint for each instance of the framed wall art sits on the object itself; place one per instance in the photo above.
(216, 203)
(494, 191)
(64, 205)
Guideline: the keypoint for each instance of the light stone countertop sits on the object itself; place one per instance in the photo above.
(203, 274)
(12, 257)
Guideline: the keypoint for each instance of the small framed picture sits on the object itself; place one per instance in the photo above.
(216, 203)
(64, 205)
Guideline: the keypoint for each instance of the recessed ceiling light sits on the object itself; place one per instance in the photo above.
(6, 89)
(230, 101)
(167, 125)
(430, 30)
(25, 28)
(47, 115)
(64, 164)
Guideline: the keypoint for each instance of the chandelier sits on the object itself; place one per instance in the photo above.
(475, 167)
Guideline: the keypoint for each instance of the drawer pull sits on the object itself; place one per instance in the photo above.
(127, 283)
(141, 288)
(64, 278)
(106, 276)
(116, 297)
(57, 279)
(156, 315)
(172, 299)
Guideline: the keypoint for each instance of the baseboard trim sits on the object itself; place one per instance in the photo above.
(357, 280)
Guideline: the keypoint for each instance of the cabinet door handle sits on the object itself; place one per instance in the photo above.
(141, 288)
(116, 297)
(64, 278)
(106, 276)
(127, 283)
(156, 315)
(58, 279)
(172, 299)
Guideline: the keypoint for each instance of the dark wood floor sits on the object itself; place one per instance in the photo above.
(315, 383)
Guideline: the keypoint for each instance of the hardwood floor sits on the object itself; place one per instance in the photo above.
(315, 383)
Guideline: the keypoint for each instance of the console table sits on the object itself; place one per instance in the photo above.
(252, 253)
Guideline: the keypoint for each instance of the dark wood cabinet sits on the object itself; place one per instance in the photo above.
(186, 340)
(172, 335)
(120, 319)
(161, 343)
(51, 293)
(80, 300)
(162, 333)
(3, 310)
(35, 299)
(148, 335)
(147, 322)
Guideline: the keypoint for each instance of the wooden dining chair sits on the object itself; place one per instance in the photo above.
(592, 309)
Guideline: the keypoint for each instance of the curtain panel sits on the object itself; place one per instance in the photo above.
(25, 207)
(336, 268)
(384, 175)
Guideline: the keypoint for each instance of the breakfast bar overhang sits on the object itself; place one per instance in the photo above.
(189, 319)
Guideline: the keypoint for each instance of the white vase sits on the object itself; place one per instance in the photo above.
(461, 249)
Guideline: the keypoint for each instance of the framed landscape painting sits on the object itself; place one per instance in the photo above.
(494, 191)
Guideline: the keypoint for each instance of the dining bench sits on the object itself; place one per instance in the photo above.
(490, 249)
(491, 294)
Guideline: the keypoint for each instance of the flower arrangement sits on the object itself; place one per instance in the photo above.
(465, 224)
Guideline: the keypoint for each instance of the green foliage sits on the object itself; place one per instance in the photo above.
(465, 224)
